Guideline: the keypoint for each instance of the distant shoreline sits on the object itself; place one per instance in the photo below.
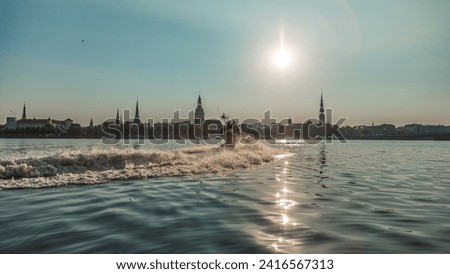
(429, 137)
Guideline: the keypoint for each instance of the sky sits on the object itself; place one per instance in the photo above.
(375, 61)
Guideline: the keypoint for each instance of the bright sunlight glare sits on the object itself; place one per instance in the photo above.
(282, 58)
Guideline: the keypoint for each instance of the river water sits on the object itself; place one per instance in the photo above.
(361, 197)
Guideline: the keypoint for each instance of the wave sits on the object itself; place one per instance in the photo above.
(96, 166)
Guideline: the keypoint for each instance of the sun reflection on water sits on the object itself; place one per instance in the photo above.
(285, 219)
(285, 203)
(275, 247)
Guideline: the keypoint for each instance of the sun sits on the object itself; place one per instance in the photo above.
(282, 58)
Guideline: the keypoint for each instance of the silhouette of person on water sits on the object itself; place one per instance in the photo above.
(231, 131)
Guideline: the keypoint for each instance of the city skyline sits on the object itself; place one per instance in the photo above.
(84, 59)
(198, 116)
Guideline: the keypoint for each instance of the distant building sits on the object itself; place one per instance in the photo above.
(24, 123)
(199, 115)
(426, 129)
(91, 123)
(118, 118)
(137, 119)
(11, 123)
(383, 129)
(24, 113)
(33, 123)
(373, 130)
(62, 126)
(321, 111)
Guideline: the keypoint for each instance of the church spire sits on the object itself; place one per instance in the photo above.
(24, 114)
(321, 103)
(199, 114)
(136, 113)
(321, 114)
(117, 117)
(199, 101)
(137, 119)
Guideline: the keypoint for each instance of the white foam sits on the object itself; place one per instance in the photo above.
(103, 165)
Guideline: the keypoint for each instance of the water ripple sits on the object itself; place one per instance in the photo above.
(366, 197)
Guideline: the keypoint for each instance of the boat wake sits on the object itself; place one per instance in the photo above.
(96, 166)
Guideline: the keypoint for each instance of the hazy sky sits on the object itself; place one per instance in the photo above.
(376, 61)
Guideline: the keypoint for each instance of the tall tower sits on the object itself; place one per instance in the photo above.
(91, 124)
(199, 115)
(137, 120)
(24, 114)
(321, 115)
(117, 118)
